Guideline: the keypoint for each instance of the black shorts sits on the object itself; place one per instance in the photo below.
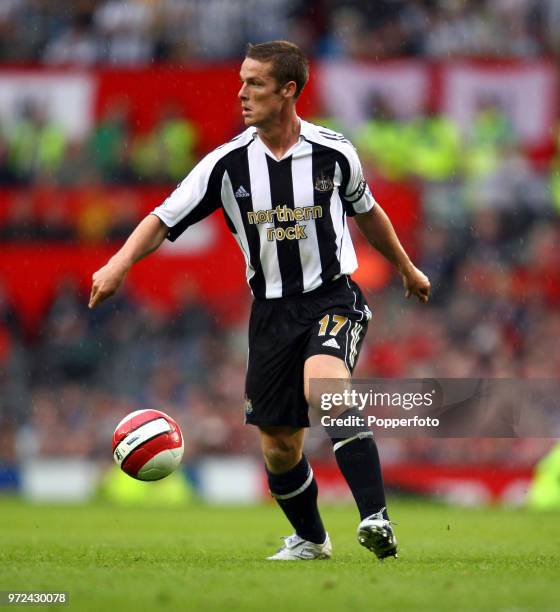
(284, 332)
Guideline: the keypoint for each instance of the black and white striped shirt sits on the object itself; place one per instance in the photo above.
(289, 216)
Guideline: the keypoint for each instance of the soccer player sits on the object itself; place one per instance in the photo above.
(286, 188)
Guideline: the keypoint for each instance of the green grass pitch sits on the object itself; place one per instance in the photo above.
(212, 558)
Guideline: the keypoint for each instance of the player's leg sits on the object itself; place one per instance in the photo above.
(356, 455)
(292, 484)
(275, 403)
(354, 447)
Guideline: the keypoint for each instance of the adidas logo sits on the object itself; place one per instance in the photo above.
(332, 343)
(242, 192)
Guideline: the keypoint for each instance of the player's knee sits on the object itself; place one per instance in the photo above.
(323, 374)
(282, 456)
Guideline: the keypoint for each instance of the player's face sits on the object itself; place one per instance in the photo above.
(262, 98)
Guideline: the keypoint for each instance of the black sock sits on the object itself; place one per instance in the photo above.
(358, 460)
(296, 493)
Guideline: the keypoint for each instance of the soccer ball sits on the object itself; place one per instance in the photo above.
(148, 445)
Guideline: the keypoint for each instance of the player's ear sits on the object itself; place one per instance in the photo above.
(289, 89)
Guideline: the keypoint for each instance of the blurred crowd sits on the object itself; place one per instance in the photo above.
(487, 162)
(121, 32)
(488, 241)
(488, 236)
(33, 148)
(495, 313)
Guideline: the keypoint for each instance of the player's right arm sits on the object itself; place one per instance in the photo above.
(146, 238)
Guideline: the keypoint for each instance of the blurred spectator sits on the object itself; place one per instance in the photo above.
(190, 319)
(384, 140)
(69, 352)
(78, 167)
(515, 21)
(125, 29)
(435, 147)
(166, 154)
(79, 44)
(439, 258)
(457, 30)
(8, 176)
(9, 318)
(37, 145)
(110, 135)
(489, 138)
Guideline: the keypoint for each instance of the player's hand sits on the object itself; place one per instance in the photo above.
(106, 282)
(416, 283)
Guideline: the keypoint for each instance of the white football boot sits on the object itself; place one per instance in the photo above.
(298, 549)
(376, 534)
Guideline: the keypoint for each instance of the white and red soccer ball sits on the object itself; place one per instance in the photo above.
(148, 445)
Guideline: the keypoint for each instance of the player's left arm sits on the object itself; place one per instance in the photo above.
(378, 230)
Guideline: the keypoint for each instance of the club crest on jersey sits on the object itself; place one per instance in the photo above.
(324, 183)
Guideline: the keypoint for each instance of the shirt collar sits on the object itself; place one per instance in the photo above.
(304, 129)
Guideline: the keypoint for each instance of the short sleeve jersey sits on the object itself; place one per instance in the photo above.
(289, 215)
